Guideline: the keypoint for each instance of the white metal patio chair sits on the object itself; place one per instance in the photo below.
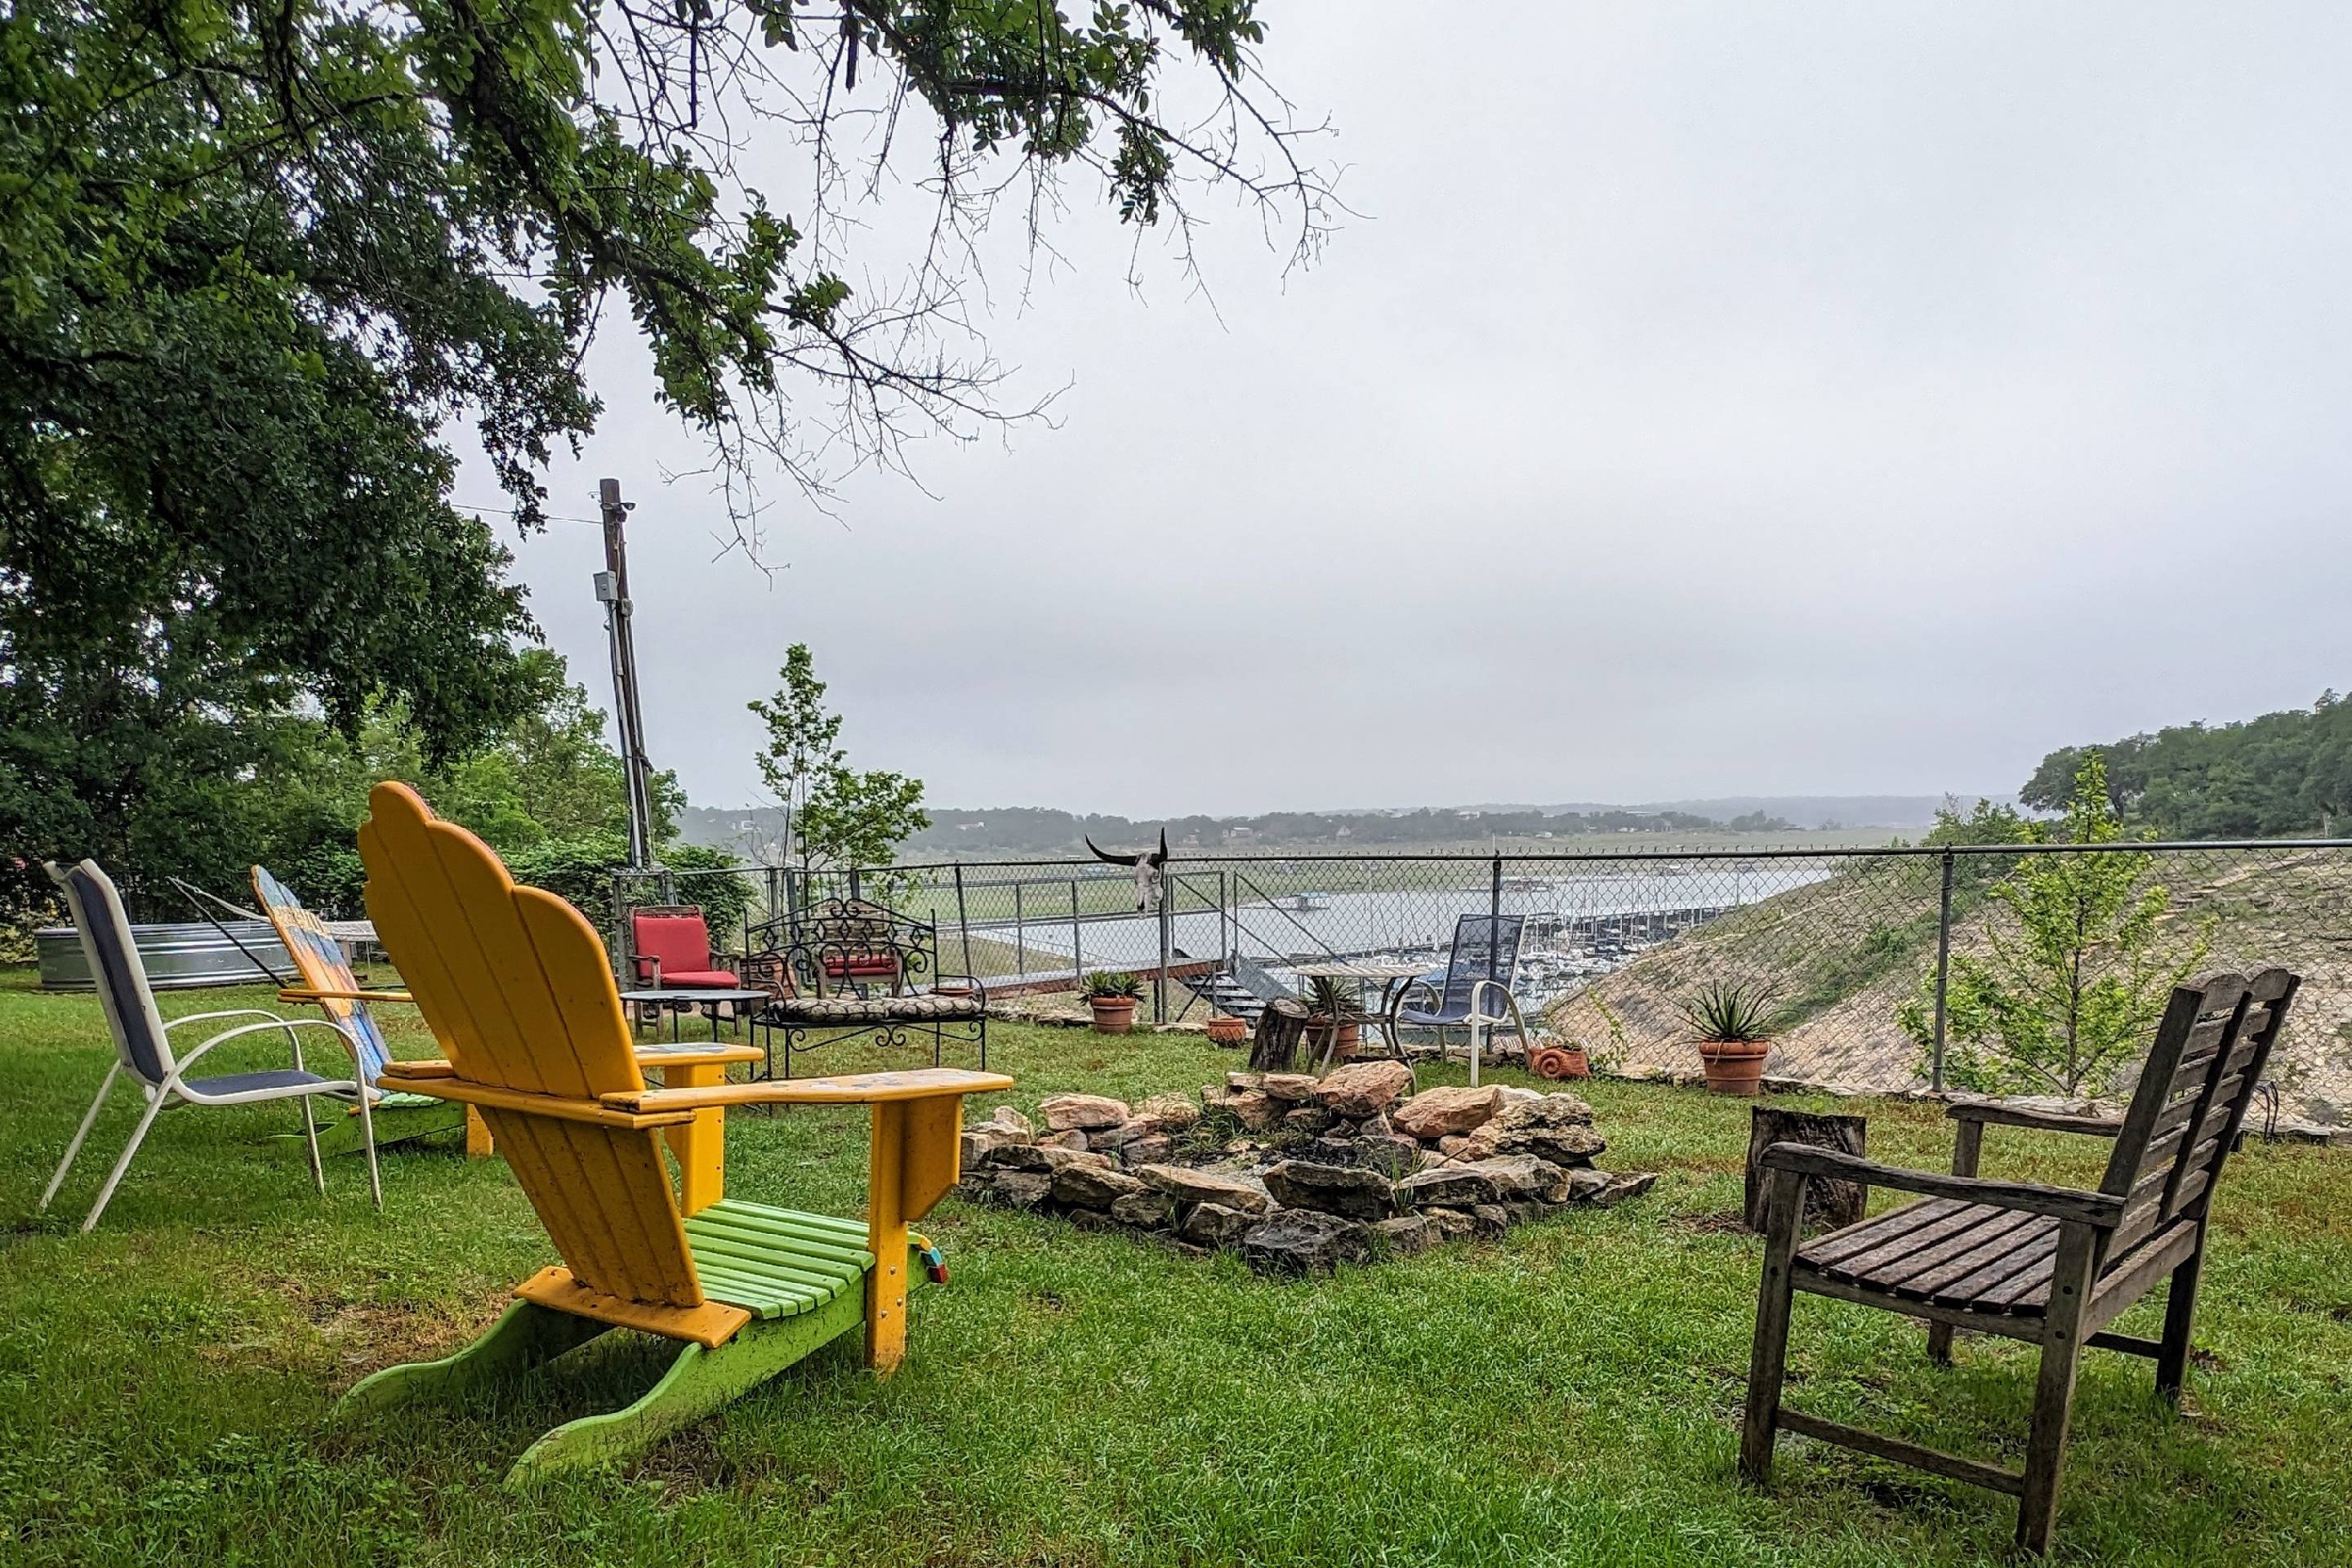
(142, 1045)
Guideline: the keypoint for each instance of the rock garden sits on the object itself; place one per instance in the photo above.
(1299, 1173)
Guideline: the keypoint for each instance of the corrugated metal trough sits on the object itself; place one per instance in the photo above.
(178, 957)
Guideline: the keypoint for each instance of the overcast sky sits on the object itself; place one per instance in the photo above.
(1709, 399)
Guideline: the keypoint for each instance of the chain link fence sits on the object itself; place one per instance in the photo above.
(1882, 960)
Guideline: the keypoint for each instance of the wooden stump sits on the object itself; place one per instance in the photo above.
(1832, 1204)
(1279, 1029)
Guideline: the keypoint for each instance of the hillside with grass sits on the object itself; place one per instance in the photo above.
(1847, 952)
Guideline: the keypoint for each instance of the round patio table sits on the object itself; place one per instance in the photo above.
(1390, 972)
(679, 1000)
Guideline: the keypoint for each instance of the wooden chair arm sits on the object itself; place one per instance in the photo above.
(2005, 1115)
(2102, 1210)
(296, 994)
(440, 1080)
(855, 1089)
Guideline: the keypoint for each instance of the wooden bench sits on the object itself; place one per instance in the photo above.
(2051, 1266)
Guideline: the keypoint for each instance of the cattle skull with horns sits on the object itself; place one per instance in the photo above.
(1147, 865)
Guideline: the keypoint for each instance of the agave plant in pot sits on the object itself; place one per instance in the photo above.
(1734, 1023)
(1112, 994)
(1334, 1007)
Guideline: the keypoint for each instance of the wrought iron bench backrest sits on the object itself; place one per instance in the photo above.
(2200, 1075)
(844, 945)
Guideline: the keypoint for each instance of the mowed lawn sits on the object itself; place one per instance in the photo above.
(1569, 1394)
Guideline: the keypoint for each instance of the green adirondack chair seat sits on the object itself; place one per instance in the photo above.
(773, 1262)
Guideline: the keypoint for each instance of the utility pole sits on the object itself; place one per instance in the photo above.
(628, 717)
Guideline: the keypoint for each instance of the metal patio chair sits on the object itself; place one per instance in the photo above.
(142, 1044)
(1472, 993)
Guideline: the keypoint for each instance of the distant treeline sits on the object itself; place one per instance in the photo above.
(2280, 775)
(1028, 830)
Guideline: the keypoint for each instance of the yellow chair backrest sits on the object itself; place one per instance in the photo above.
(515, 984)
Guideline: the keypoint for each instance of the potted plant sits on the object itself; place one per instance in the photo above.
(1735, 1023)
(1331, 1004)
(1113, 995)
(1224, 1029)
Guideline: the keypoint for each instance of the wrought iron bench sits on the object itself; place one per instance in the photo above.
(847, 969)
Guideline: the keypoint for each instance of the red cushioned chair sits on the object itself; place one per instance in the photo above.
(671, 950)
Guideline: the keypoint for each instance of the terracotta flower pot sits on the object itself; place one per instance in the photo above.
(1113, 1015)
(1352, 1039)
(1224, 1029)
(1560, 1062)
(1735, 1066)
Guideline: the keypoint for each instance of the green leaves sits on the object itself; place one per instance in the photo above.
(2069, 970)
(836, 817)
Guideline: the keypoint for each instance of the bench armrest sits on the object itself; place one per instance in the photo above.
(2100, 1209)
(2003, 1114)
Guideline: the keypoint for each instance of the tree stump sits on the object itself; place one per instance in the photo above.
(1832, 1204)
(1279, 1029)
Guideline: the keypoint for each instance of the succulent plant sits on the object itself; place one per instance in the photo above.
(1108, 984)
(1722, 1012)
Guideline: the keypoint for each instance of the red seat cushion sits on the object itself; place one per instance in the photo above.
(863, 964)
(682, 943)
(717, 979)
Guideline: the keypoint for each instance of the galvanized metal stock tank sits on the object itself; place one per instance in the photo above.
(178, 957)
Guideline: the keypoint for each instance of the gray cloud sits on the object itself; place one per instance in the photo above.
(1710, 399)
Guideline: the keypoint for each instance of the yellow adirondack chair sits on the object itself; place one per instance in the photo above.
(515, 983)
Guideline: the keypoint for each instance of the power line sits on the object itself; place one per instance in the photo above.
(514, 511)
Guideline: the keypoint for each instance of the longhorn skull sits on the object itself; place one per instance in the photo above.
(1147, 865)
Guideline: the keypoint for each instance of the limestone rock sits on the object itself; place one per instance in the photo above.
(1188, 1185)
(1304, 1241)
(1145, 1210)
(1307, 1119)
(1376, 1126)
(1290, 1087)
(1239, 1082)
(1022, 1189)
(1585, 1183)
(1147, 1151)
(1392, 1154)
(1409, 1232)
(1167, 1114)
(1073, 1138)
(1214, 1224)
(1488, 1220)
(1452, 1223)
(1331, 1189)
(1620, 1188)
(1083, 1112)
(1119, 1137)
(1359, 1090)
(1452, 1109)
(1523, 1178)
(1447, 1187)
(1009, 1126)
(1092, 1188)
(1042, 1158)
(1254, 1109)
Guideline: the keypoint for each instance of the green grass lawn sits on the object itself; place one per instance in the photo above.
(1566, 1395)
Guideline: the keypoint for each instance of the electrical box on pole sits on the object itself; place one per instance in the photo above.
(628, 715)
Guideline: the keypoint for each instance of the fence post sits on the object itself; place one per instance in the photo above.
(1078, 941)
(773, 879)
(1225, 945)
(1168, 885)
(853, 893)
(1943, 973)
(1020, 935)
(963, 926)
